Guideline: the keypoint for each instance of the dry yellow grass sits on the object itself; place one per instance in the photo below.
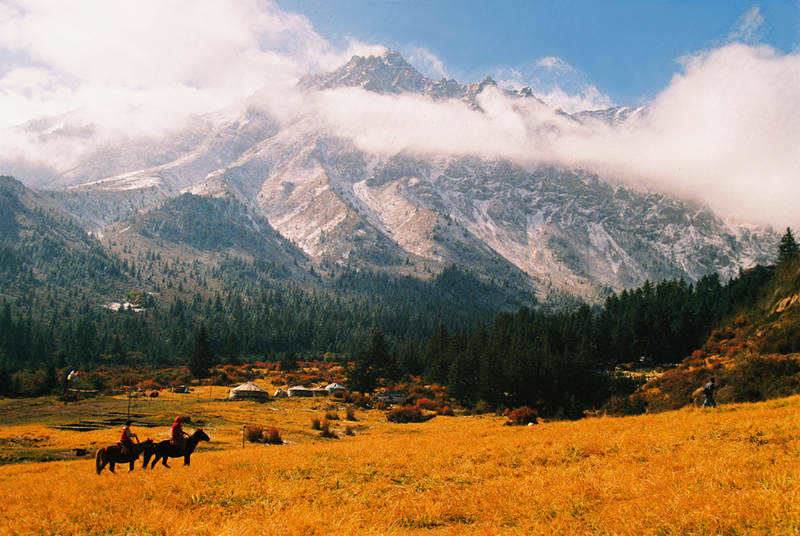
(734, 470)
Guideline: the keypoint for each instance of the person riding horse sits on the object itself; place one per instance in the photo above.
(178, 435)
(126, 439)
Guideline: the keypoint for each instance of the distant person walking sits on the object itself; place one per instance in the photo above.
(708, 394)
(178, 435)
(126, 439)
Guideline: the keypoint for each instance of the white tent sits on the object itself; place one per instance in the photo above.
(248, 390)
(331, 387)
(300, 390)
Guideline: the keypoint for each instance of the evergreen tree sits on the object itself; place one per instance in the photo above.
(787, 249)
(371, 365)
(202, 355)
(288, 362)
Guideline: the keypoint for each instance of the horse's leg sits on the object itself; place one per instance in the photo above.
(186, 459)
(111, 466)
(131, 466)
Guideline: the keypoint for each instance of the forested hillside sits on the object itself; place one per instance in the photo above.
(41, 247)
(753, 355)
(562, 363)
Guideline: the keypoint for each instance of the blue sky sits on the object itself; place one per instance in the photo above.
(629, 50)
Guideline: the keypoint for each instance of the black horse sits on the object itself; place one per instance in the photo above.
(113, 455)
(165, 449)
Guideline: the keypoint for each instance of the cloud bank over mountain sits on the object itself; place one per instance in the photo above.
(725, 130)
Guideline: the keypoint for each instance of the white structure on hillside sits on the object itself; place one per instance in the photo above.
(248, 391)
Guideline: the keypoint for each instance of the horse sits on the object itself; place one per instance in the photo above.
(165, 449)
(113, 455)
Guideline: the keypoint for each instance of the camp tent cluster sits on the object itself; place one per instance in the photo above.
(251, 391)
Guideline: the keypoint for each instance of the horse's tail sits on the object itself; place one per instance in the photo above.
(98, 459)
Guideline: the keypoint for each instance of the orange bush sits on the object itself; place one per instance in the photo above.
(523, 416)
(273, 436)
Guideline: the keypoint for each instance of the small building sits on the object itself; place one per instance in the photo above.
(333, 387)
(299, 390)
(248, 391)
(320, 391)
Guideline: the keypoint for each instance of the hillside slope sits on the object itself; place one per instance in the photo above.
(41, 245)
(754, 355)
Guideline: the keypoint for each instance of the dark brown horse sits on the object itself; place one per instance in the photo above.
(165, 449)
(113, 455)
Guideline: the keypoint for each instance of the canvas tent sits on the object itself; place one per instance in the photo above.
(248, 391)
(331, 387)
(299, 390)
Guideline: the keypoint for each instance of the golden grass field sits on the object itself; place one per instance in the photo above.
(733, 470)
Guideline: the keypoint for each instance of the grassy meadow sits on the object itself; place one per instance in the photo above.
(733, 470)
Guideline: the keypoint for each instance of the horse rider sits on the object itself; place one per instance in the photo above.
(178, 435)
(126, 439)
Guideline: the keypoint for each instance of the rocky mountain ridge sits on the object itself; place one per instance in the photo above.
(541, 226)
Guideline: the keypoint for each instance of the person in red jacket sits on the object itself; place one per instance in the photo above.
(126, 439)
(178, 436)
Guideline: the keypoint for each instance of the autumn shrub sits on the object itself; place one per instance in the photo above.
(326, 430)
(762, 377)
(350, 413)
(481, 407)
(381, 405)
(447, 411)
(407, 414)
(698, 355)
(332, 416)
(348, 431)
(316, 424)
(358, 400)
(426, 403)
(253, 433)
(522, 416)
(273, 436)
(625, 405)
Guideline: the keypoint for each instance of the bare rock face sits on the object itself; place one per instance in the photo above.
(549, 227)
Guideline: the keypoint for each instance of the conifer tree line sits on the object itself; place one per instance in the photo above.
(553, 361)
(250, 322)
(559, 363)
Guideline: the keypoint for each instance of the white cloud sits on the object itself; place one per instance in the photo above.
(557, 83)
(427, 63)
(138, 69)
(190, 56)
(749, 27)
(724, 132)
(555, 64)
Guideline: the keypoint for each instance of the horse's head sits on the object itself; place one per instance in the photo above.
(201, 435)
